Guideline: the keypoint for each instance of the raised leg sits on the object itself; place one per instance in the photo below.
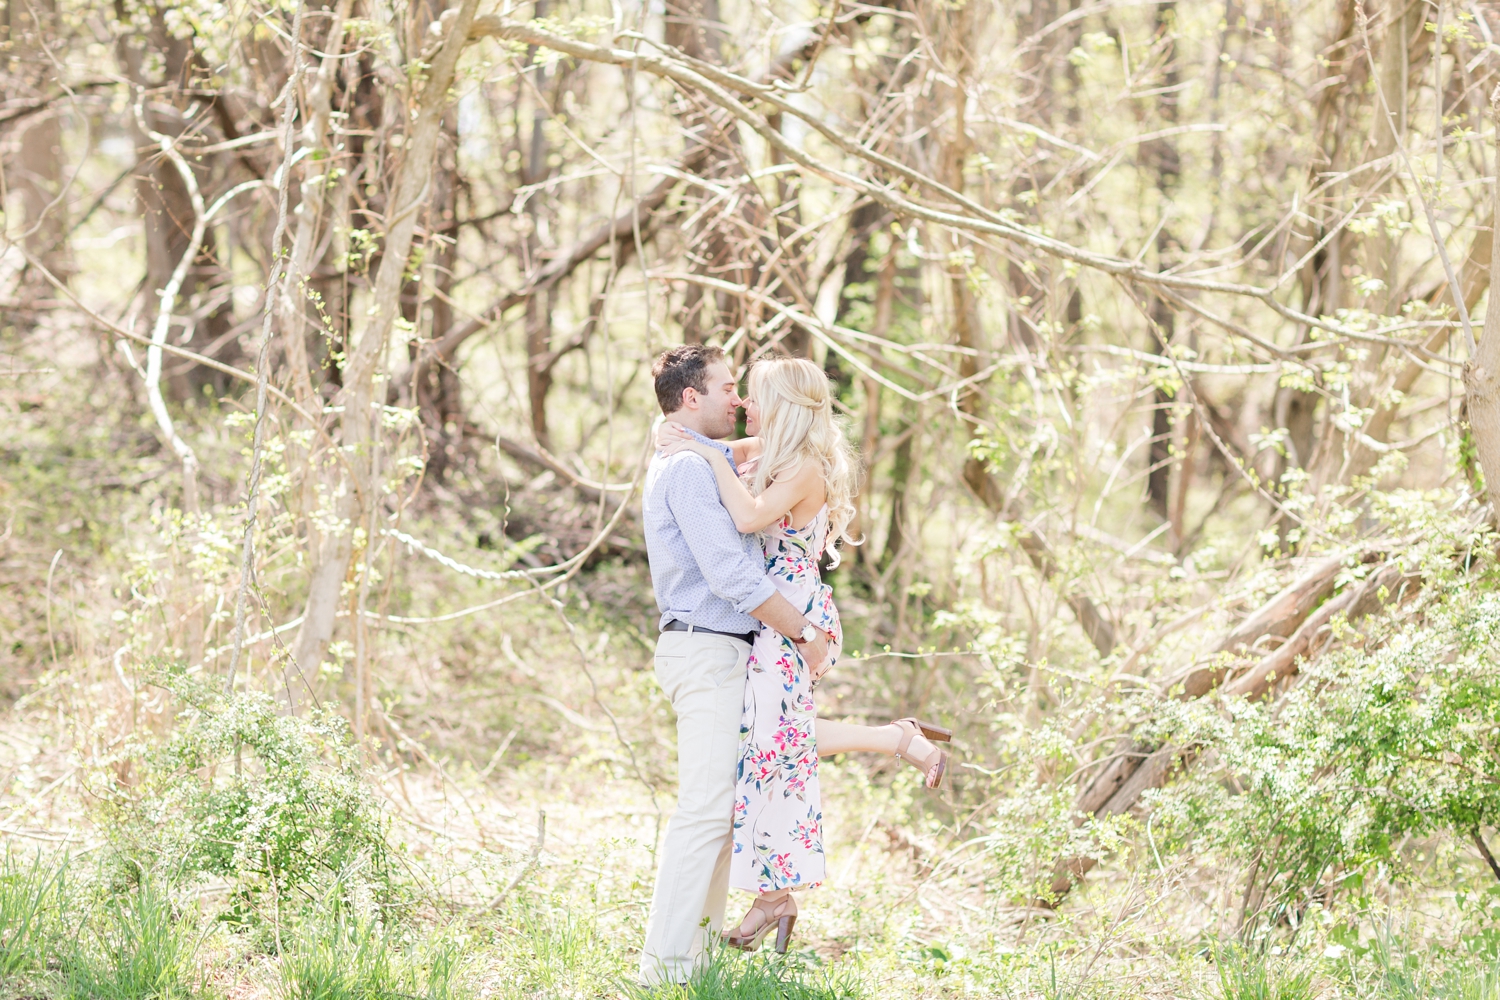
(846, 737)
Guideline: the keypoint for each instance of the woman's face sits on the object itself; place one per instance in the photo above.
(752, 415)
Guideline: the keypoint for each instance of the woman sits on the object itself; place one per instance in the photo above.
(795, 486)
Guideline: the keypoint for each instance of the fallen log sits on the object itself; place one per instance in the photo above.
(1294, 613)
(1278, 617)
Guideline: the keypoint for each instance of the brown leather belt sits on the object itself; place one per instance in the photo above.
(676, 626)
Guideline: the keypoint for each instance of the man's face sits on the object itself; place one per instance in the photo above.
(719, 403)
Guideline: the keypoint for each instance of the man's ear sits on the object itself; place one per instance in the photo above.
(689, 398)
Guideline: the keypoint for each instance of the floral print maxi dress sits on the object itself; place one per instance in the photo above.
(778, 814)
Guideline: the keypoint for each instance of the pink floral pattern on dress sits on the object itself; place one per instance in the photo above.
(778, 813)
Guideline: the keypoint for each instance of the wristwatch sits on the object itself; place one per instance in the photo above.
(808, 633)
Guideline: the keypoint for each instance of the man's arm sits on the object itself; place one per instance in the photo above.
(783, 616)
(693, 497)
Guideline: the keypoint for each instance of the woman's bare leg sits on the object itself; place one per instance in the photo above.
(845, 737)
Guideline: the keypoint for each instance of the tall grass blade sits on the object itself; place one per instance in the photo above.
(143, 950)
(28, 895)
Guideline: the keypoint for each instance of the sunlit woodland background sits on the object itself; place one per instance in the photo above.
(1160, 328)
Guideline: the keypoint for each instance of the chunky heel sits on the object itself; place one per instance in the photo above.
(773, 916)
(784, 933)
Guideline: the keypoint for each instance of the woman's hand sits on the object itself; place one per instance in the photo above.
(696, 447)
(669, 433)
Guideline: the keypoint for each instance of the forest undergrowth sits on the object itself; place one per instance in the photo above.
(495, 835)
(1165, 335)
(483, 897)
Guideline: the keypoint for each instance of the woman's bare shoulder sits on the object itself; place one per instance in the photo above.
(808, 479)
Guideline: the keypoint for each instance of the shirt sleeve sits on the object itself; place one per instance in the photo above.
(692, 495)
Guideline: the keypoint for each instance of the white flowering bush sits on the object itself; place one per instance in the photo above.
(274, 804)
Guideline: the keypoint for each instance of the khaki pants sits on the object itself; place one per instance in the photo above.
(704, 676)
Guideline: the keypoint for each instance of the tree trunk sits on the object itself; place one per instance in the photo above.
(440, 396)
(1294, 411)
(1161, 155)
(293, 307)
(1482, 373)
(37, 170)
(1403, 47)
(538, 371)
(538, 307)
(355, 487)
(885, 298)
(1159, 453)
(38, 176)
(901, 473)
(166, 206)
(1474, 279)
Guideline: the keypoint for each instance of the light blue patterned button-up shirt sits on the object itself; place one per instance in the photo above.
(704, 572)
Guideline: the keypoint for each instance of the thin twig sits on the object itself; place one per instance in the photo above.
(52, 642)
(531, 861)
(263, 358)
(1484, 852)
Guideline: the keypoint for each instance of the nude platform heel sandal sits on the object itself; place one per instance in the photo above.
(774, 917)
(935, 733)
(934, 766)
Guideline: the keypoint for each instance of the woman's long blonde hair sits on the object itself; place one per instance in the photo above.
(797, 425)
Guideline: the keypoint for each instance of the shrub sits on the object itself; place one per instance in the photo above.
(270, 802)
(1393, 732)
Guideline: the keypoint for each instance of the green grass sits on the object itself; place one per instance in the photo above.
(338, 959)
(138, 947)
(546, 950)
(73, 940)
(70, 934)
(1246, 975)
(336, 955)
(1474, 983)
(1400, 973)
(29, 896)
(732, 975)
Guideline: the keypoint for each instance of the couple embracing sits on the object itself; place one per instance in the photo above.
(734, 533)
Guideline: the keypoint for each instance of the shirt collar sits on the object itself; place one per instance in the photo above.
(728, 451)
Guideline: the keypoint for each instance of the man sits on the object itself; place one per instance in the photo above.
(713, 592)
